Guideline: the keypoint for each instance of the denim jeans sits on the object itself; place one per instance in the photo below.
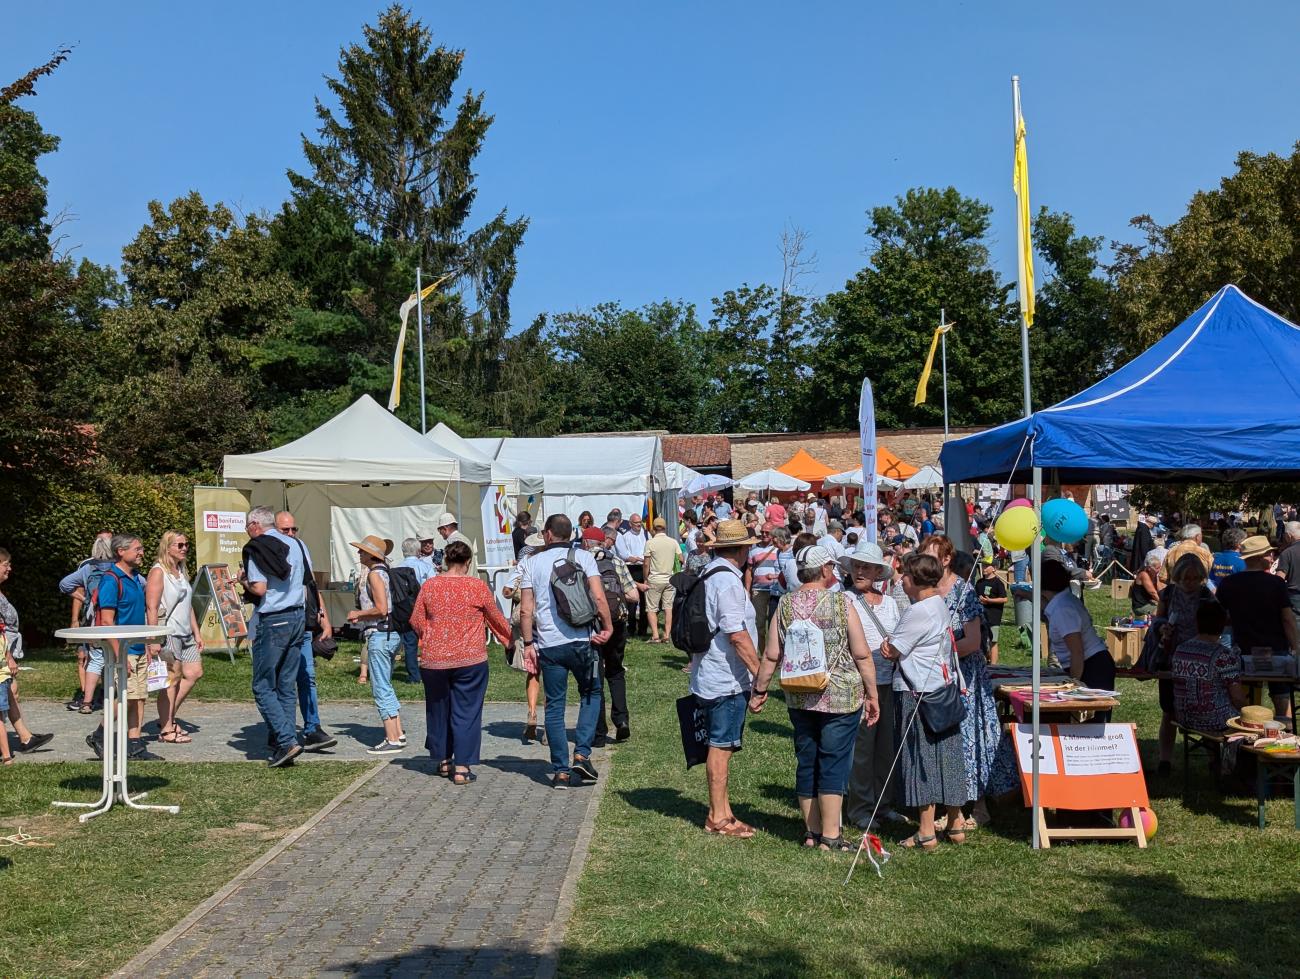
(307, 702)
(381, 646)
(276, 652)
(823, 750)
(411, 647)
(556, 663)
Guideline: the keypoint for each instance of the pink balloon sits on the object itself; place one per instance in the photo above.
(1020, 502)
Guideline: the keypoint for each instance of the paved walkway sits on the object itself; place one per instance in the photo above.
(407, 875)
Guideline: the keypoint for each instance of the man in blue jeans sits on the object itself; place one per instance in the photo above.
(313, 737)
(562, 648)
(273, 568)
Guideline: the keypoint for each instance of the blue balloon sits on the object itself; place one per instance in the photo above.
(1064, 521)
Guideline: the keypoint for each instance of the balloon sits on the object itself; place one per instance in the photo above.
(1020, 502)
(1064, 520)
(1149, 822)
(1016, 529)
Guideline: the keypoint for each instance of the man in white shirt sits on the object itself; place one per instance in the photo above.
(721, 676)
(833, 540)
(562, 648)
(449, 530)
(630, 547)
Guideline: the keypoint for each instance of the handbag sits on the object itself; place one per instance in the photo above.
(694, 721)
(324, 648)
(942, 710)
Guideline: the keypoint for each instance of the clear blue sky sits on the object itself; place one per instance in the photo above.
(659, 148)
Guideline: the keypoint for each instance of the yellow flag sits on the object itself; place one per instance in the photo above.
(1024, 231)
(924, 382)
(395, 396)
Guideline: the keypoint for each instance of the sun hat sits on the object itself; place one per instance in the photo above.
(447, 519)
(731, 533)
(1251, 719)
(534, 540)
(813, 556)
(379, 547)
(866, 552)
(1256, 546)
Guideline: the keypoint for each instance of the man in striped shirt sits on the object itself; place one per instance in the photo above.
(760, 574)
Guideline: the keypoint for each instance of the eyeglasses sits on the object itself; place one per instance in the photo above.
(290, 530)
(182, 545)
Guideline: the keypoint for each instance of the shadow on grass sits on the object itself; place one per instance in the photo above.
(673, 804)
(94, 783)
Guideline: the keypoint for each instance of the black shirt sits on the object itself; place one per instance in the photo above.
(1256, 602)
(1288, 566)
(518, 536)
(993, 588)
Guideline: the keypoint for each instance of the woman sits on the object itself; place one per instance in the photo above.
(90, 660)
(825, 722)
(168, 599)
(380, 638)
(783, 585)
(11, 645)
(980, 730)
(450, 616)
(871, 790)
(585, 520)
(1075, 643)
(1178, 603)
(1144, 594)
(933, 772)
(532, 678)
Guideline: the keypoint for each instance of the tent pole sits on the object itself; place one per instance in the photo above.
(1036, 646)
(943, 342)
(419, 332)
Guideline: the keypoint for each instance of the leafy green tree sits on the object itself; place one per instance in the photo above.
(400, 157)
(928, 253)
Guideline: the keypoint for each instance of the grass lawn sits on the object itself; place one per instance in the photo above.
(1211, 896)
(106, 889)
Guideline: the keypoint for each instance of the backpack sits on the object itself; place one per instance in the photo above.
(691, 633)
(403, 589)
(569, 590)
(614, 596)
(90, 606)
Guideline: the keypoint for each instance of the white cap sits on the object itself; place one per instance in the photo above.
(814, 556)
(447, 519)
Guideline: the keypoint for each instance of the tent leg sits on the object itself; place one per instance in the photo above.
(1036, 559)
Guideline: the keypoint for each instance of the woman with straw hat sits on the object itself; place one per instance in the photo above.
(380, 637)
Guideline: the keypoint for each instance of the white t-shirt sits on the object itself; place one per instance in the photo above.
(835, 548)
(719, 672)
(888, 614)
(923, 647)
(549, 627)
(1067, 615)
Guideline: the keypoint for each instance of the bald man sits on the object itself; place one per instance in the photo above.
(313, 738)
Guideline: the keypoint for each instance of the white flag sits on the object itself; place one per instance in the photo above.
(395, 396)
(867, 437)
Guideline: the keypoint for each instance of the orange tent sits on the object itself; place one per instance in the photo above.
(805, 467)
(888, 464)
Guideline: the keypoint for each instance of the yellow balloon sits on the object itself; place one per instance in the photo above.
(1017, 528)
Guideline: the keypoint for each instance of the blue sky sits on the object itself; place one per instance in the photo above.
(660, 148)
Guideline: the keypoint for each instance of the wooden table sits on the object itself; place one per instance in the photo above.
(1072, 709)
(1277, 759)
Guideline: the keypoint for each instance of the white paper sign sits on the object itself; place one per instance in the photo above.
(1098, 749)
(1025, 749)
(224, 521)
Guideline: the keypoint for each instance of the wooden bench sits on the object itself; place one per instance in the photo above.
(1208, 741)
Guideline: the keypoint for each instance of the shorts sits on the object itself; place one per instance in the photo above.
(94, 660)
(659, 595)
(726, 719)
(137, 684)
(4, 694)
(180, 649)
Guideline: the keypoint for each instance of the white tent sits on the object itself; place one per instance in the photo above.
(772, 480)
(854, 478)
(516, 483)
(677, 475)
(926, 478)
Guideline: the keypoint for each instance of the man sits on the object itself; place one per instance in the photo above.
(1143, 541)
(723, 675)
(600, 544)
(833, 540)
(1228, 561)
(523, 527)
(924, 525)
(313, 737)
(630, 548)
(424, 570)
(761, 574)
(429, 553)
(449, 530)
(563, 648)
(273, 571)
(1259, 608)
(1191, 542)
(722, 508)
(1288, 562)
(1106, 538)
(815, 512)
(662, 559)
(121, 602)
(992, 595)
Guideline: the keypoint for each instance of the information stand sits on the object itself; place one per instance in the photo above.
(223, 609)
(1084, 767)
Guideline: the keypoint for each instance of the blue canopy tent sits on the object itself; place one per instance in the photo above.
(1213, 401)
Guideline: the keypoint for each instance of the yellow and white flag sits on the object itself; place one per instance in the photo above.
(395, 396)
(1024, 230)
(924, 382)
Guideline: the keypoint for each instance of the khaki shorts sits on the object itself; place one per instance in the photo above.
(137, 684)
(659, 594)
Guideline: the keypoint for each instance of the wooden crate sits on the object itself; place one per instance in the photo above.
(1125, 644)
(1120, 587)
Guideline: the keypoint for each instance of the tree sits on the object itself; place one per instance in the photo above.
(928, 253)
(1246, 232)
(400, 160)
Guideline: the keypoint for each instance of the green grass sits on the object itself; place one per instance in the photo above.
(107, 888)
(54, 676)
(1212, 895)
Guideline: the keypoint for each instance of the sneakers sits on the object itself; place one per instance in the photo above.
(136, 750)
(560, 780)
(34, 742)
(285, 756)
(318, 740)
(387, 747)
(585, 768)
(95, 743)
(75, 702)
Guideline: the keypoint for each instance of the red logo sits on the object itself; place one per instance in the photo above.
(210, 521)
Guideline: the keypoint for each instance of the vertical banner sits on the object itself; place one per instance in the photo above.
(867, 438)
(219, 515)
(498, 510)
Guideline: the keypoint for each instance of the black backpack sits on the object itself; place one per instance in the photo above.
(403, 588)
(691, 633)
(614, 595)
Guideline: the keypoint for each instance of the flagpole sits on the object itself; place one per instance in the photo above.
(419, 332)
(943, 340)
(1024, 325)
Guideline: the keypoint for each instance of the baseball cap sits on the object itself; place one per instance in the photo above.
(813, 556)
(661, 523)
(594, 533)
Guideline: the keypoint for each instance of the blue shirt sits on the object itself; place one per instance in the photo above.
(423, 567)
(81, 577)
(281, 594)
(1224, 564)
(124, 594)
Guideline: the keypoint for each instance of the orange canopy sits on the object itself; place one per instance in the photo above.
(805, 467)
(888, 464)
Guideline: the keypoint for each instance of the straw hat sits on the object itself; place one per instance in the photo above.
(732, 533)
(865, 553)
(1251, 719)
(1256, 546)
(378, 547)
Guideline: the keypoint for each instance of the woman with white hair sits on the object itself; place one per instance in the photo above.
(1144, 593)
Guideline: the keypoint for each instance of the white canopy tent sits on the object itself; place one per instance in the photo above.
(926, 478)
(516, 484)
(677, 476)
(853, 477)
(772, 480)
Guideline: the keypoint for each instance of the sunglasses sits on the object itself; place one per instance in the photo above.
(290, 530)
(182, 545)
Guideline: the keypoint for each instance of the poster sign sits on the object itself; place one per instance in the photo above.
(222, 619)
(1083, 766)
(219, 515)
(1098, 749)
(498, 511)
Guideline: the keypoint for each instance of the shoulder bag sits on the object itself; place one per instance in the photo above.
(942, 710)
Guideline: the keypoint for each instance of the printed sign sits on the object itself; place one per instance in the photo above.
(498, 511)
(219, 515)
(221, 521)
(1098, 749)
(1025, 749)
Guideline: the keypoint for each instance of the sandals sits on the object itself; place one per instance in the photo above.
(918, 842)
(731, 826)
(463, 778)
(811, 840)
(957, 835)
(530, 729)
(837, 845)
(174, 735)
(85, 709)
(444, 769)
(7, 760)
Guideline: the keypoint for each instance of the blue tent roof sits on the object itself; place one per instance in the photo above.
(1218, 399)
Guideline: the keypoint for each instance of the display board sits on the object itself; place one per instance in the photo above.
(221, 619)
(219, 516)
(1083, 767)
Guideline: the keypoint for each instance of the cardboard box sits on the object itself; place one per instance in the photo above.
(1120, 587)
(1125, 644)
